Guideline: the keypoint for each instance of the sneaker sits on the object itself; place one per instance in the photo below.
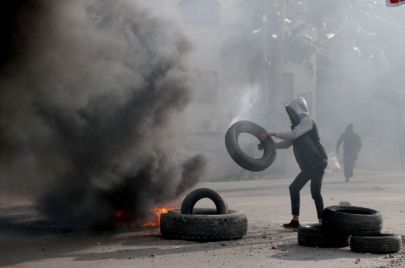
(294, 225)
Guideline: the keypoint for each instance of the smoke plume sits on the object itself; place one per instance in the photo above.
(87, 90)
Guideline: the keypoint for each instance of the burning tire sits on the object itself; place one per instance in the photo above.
(192, 198)
(351, 220)
(242, 159)
(203, 225)
(311, 235)
(377, 244)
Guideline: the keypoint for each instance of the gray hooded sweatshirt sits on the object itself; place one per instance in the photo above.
(299, 106)
(304, 137)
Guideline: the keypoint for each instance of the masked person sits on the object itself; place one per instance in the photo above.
(308, 152)
(351, 147)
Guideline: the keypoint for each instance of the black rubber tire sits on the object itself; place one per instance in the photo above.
(192, 198)
(350, 220)
(311, 235)
(377, 244)
(203, 226)
(242, 159)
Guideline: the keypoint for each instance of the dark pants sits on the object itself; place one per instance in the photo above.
(316, 182)
(349, 161)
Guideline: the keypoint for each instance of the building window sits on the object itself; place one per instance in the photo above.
(200, 12)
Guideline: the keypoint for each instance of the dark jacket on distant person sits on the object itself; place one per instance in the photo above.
(351, 143)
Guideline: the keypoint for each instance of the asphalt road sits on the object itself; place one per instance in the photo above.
(25, 242)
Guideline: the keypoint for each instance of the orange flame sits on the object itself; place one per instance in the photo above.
(156, 222)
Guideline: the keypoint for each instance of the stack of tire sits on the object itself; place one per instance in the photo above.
(349, 225)
(203, 224)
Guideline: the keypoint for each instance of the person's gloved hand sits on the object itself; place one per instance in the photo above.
(263, 137)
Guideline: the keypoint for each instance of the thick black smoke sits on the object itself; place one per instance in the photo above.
(87, 89)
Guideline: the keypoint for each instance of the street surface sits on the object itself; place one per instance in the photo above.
(266, 204)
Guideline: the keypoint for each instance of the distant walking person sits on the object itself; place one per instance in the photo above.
(351, 147)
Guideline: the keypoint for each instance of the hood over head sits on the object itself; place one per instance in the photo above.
(299, 106)
(297, 109)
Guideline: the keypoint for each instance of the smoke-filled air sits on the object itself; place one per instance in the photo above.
(87, 93)
(202, 133)
(254, 56)
(109, 105)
